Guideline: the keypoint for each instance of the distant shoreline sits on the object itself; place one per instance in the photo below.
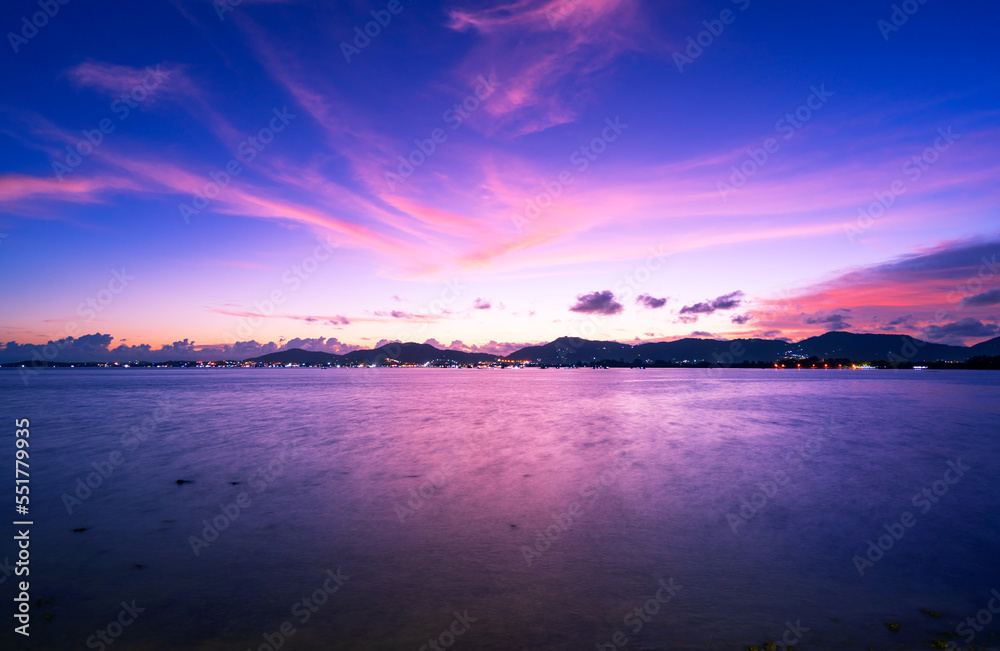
(975, 364)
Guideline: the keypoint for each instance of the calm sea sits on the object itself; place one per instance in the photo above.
(516, 509)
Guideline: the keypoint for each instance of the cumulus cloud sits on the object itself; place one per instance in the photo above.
(725, 302)
(238, 350)
(493, 347)
(320, 344)
(728, 301)
(958, 331)
(97, 347)
(742, 319)
(94, 348)
(651, 302)
(985, 299)
(597, 303)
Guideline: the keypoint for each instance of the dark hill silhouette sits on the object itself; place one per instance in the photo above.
(411, 353)
(573, 350)
(885, 347)
(989, 348)
(299, 356)
(839, 345)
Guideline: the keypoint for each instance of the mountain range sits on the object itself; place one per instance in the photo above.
(572, 350)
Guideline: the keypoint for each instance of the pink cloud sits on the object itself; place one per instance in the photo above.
(539, 49)
(922, 294)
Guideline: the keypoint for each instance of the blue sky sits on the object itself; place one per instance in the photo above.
(502, 211)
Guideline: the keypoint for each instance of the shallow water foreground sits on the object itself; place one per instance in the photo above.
(515, 509)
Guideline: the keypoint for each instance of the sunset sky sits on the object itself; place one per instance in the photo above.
(485, 175)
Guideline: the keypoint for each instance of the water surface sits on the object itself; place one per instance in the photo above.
(433, 490)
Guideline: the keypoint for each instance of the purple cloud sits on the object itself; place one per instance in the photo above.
(725, 302)
(957, 331)
(985, 299)
(651, 302)
(597, 303)
(832, 321)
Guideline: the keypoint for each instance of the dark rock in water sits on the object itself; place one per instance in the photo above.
(80, 529)
(233, 483)
(183, 481)
(931, 613)
(139, 566)
(513, 526)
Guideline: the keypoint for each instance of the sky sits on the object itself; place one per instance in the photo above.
(188, 178)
